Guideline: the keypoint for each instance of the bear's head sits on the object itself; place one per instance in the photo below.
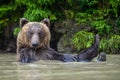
(34, 34)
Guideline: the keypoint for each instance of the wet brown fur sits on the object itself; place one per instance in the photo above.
(25, 43)
(39, 32)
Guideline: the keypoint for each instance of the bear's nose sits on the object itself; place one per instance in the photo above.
(35, 44)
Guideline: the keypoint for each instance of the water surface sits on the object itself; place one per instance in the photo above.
(55, 70)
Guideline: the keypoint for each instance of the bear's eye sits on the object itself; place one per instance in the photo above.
(30, 33)
(41, 35)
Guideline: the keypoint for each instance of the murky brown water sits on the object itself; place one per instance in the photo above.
(51, 70)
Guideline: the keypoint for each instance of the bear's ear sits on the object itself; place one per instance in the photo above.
(22, 22)
(46, 21)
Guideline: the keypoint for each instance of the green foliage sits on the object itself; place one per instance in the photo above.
(115, 6)
(99, 15)
(101, 27)
(111, 44)
(4, 15)
(16, 31)
(83, 18)
(37, 9)
(82, 40)
(102, 15)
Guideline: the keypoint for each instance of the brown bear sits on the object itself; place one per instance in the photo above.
(33, 44)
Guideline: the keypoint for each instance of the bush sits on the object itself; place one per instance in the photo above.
(82, 40)
(110, 45)
(102, 15)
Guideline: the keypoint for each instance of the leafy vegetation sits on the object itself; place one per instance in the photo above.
(82, 40)
(102, 15)
(111, 44)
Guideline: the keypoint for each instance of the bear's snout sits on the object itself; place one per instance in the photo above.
(35, 44)
(35, 41)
